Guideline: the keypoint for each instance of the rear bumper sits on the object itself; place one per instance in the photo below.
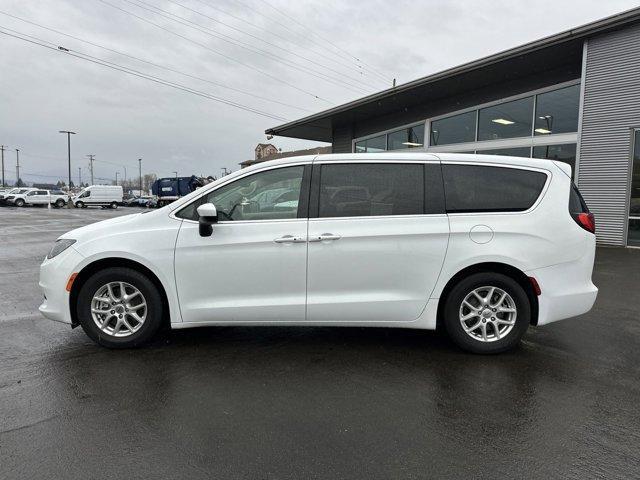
(566, 289)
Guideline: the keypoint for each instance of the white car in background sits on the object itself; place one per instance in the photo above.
(19, 192)
(483, 246)
(40, 197)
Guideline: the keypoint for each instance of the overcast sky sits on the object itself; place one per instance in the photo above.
(255, 46)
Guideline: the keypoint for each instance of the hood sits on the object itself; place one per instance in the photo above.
(105, 227)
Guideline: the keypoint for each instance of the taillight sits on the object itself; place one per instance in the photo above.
(586, 221)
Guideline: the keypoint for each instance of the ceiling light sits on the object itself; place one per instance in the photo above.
(502, 121)
(542, 130)
(412, 144)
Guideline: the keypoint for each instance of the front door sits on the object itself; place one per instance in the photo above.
(253, 267)
(377, 243)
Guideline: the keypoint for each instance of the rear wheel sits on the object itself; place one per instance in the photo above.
(487, 313)
(114, 205)
(119, 308)
(60, 203)
(19, 202)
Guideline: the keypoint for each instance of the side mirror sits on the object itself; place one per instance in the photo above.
(208, 216)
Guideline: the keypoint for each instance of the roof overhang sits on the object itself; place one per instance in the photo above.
(532, 58)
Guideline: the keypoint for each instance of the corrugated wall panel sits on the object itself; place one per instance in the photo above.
(611, 108)
(342, 137)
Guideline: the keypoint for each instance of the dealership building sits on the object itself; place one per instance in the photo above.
(574, 97)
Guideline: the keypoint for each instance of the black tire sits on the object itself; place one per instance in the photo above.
(152, 323)
(60, 203)
(19, 202)
(79, 204)
(453, 305)
(113, 205)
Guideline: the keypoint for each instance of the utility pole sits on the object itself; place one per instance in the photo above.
(176, 173)
(80, 177)
(140, 174)
(225, 171)
(91, 166)
(17, 165)
(2, 147)
(69, 133)
(117, 179)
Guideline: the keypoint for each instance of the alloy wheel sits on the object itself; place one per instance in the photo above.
(488, 314)
(118, 309)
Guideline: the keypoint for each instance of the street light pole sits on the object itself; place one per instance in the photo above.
(80, 177)
(69, 133)
(17, 166)
(140, 174)
(2, 147)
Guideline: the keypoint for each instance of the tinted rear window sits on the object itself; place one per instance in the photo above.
(475, 188)
(576, 202)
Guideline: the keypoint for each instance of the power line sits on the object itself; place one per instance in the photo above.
(214, 51)
(157, 65)
(290, 52)
(225, 38)
(307, 29)
(344, 54)
(282, 37)
(136, 73)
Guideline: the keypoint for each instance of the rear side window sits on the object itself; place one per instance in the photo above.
(371, 189)
(476, 188)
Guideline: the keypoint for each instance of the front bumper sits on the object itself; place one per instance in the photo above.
(54, 274)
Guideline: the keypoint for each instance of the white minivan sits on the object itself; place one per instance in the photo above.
(482, 246)
(99, 195)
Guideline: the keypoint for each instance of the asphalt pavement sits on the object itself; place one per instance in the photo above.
(301, 403)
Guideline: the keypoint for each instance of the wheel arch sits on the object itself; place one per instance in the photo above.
(110, 262)
(494, 267)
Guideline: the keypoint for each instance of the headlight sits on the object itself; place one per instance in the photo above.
(60, 246)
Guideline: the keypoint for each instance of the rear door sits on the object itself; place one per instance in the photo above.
(378, 235)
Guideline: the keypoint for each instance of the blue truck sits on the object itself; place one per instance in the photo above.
(170, 189)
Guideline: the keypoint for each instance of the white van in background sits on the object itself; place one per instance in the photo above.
(99, 195)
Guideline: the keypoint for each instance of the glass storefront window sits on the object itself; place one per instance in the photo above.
(512, 152)
(457, 129)
(372, 145)
(565, 153)
(557, 111)
(411, 137)
(633, 237)
(506, 120)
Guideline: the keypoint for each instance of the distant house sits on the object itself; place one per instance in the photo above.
(277, 154)
(264, 150)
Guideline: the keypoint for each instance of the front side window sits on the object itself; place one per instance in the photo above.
(506, 120)
(371, 189)
(372, 145)
(410, 137)
(269, 195)
(557, 111)
(477, 188)
(457, 129)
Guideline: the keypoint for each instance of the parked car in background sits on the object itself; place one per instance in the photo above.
(99, 195)
(17, 193)
(4, 194)
(41, 197)
(139, 201)
(481, 245)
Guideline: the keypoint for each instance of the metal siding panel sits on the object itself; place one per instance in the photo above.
(342, 137)
(611, 108)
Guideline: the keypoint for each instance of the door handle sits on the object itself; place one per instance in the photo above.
(325, 236)
(290, 239)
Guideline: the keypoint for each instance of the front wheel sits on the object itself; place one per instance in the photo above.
(19, 202)
(119, 308)
(79, 204)
(487, 313)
